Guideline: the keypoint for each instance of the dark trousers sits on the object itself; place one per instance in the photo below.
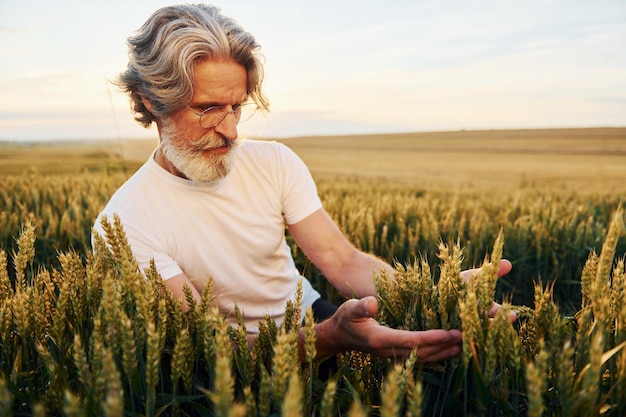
(322, 310)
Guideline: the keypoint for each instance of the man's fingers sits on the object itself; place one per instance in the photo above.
(432, 345)
(494, 309)
(369, 306)
(438, 345)
(363, 308)
(359, 330)
(504, 267)
(439, 336)
(432, 354)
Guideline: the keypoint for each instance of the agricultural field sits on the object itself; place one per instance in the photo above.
(83, 333)
(585, 160)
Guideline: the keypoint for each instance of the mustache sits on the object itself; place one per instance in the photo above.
(209, 142)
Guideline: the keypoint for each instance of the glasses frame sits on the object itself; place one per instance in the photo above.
(235, 109)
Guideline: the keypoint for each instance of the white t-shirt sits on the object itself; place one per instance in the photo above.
(232, 230)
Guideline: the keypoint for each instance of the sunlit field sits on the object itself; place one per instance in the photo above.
(574, 159)
(584, 160)
(82, 332)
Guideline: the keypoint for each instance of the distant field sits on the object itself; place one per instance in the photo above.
(586, 160)
(579, 159)
(72, 157)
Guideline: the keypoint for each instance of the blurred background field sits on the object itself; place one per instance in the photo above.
(582, 160)
(577, 159)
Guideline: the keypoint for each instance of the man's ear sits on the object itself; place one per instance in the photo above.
(147, 104)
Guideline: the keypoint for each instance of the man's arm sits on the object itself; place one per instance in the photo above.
(346, 268)
(176, 285)
(352, 326)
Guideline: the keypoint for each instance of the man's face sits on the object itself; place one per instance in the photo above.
(198, 153)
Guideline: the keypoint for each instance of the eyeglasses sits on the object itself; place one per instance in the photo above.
(213, 116)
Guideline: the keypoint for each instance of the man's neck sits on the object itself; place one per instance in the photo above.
(162, 160)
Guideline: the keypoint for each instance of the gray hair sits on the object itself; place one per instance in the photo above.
(162, 54)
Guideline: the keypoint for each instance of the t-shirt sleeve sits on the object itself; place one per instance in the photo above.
(299, 192)
(145, 247)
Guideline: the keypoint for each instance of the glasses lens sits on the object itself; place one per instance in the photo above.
(212, 117)
(245, 112)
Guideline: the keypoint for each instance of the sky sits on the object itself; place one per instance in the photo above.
(334, 66)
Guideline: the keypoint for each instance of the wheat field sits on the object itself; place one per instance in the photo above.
(584, 160)
(83, 333)
(575, 159)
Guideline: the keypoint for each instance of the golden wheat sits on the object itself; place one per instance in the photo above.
(84, 332)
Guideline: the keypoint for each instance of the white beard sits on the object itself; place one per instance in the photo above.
(190, 158)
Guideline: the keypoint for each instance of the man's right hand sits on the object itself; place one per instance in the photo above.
(353, 327)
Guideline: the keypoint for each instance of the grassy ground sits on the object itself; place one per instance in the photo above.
(586, 160)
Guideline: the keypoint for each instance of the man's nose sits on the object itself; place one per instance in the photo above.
(228, 127)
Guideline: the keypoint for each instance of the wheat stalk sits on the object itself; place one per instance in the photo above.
(6, 399)
(292, 403)
(536, 381)
(114, 401)
(449, 286)
(25, 254)
(392, 391)
(284, 361)
(6, 289)
(327, 403)
(182, 360)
